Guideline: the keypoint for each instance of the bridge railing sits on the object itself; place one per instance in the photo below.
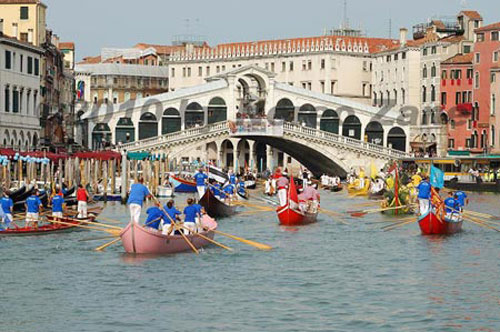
(257, 127)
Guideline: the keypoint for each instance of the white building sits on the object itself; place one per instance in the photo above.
(336, 65)
(19, 93)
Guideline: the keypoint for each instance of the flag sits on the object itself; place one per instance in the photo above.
(437, 177)
(217, 174)
(373, 171)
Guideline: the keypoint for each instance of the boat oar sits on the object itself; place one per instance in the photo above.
(391, 227)
(474, 221)
(257, 245)
(110, 220)
(365, 212)
(86, 221)
(104, 246)
(113, 232)
(482, 215)
(209, 240)
(177, 228)
(97, 238)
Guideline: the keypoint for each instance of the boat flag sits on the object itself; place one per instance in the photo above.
(437, 177)
(373, 171)
(293, 197)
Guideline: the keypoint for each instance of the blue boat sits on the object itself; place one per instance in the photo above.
(182, 186)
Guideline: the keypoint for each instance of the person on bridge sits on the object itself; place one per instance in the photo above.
(282, 184)
(201, 179)
(424, 196)
(138, 193)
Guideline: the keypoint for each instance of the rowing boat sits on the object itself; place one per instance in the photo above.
(290, 214)
(137, 239)
(182, 186)
(215, 207)
(337, 188)
(431, 224)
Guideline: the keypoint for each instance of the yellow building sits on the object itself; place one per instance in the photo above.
(24, 20)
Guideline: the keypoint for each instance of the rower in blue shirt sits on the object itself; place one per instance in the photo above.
(191, 212)
(232, 178)
(462, 199)
(7, 205)
(33, 206)
(452, 205)
(138, 193)
(200, 179)
(216, 188)
(174, 215)
(229, 192)
(424, 196)
(57, 205)
(155, 216)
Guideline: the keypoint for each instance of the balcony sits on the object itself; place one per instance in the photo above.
(465, 108)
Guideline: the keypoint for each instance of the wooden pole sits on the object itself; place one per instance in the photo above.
(112, 170)
(124, 177)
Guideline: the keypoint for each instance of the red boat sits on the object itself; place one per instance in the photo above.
(290, 214)
(431, 224)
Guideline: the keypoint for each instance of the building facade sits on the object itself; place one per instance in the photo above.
(19, 93)
(24, 20)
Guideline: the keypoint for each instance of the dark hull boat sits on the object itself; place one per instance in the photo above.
(216, 208)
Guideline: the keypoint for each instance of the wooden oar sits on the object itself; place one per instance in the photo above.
(391, 227)
(177, 228)
(98, 238)
(257, 245)
(86, 221)
(338, 217)
(110, 220)
(104, 246)
(482, 224)
(365, 212)
(479, 214)
(209, 239)
(113, 232)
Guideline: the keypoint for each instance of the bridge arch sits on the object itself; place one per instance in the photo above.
(308, 116)
(330, 121)
(101, 134)
(217, 110)
(374, 133)
(171, 121)
(397, 139)
(352, 127)
(194, 116)
(125, 131)
(148, 126)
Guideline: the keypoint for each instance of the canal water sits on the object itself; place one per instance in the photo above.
(336, 275)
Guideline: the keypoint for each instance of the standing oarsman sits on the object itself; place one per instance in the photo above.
(424, 196)
(33, 206)
(82, 196)
(201, 179)
(138, 193)
(282, 184)
(57, 205)
(7, 205)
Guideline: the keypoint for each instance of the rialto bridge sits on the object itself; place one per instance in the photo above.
(244, 117)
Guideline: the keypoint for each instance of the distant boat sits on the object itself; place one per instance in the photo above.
(182, 186)
(290, 214)
(165, 191)
(431, 224)
(215, 207)
(137, 239)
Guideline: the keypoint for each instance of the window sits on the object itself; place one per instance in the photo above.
(424, 94)
(200, 71)
(396, 56)
(24, 13)
(173, 72)
(323, 64)
(37, 67)
(21, 63)
(189, 71)
(434, 50)
(7, 99)
(470, 73)
(309, 65)
(467, 49)
(452, 124)
(480, 37)
(493, 77)
(443, 98)
(425, 51)
(433, 70)
(24, 37)
(283, 66)
(444, 74)
(15, 101)
(207, 71)
(322, 84)
(184, 72)
(403, 96)
(458, 98)
(223, 68)
(495, 56)
(272, 67)
(291, 65)
(451, 143)
(388, 58)
(477, 57)
(30, 65)
(433, 93)
(494, 36)
(493, 103)
(424, 72)
(476, 80)
(8, 64)
(467, 143)
(403, 55)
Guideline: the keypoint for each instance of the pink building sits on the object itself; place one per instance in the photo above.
(486, 123)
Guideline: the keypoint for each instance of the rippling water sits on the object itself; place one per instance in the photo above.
(324, 277)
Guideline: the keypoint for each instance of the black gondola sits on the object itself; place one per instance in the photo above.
(215, 207)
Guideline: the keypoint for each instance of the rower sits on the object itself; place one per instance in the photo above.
(462, 199)
(82, 196)
(33, 206)
(138, 193)
(190, 214)
(57, 205)
(174, 215)
(201, 212)
(452, 206)
(155, 216)
(7, 206)
(229, 191)
(232, 178)
(216, 188)
(424, 195)
(282, 184)
(200, 178)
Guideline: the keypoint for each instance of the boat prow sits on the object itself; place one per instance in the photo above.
(430, 224)
(294, 217)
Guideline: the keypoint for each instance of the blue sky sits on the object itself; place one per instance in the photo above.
(93, 24)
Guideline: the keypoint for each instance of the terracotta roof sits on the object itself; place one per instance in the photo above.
(9, 38)
(494, 26)
(429, 38)
(453, 39)
(472, 14)
(163, 49)
(374, 44)
(459, 59)
(67, 46)
(90, 60)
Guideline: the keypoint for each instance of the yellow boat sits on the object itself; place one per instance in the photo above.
(354, 191)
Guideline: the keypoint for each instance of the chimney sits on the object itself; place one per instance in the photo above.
(1, 26)
(30, 36)
(14, 30)
(403, 33)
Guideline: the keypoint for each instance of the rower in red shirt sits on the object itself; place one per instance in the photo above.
(82, 196)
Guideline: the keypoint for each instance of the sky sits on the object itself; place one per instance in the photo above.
(93, 24)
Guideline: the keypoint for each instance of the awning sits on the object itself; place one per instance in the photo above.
(422, 145)
(138, 155)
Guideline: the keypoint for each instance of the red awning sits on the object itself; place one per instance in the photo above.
(7, 152)
(101, 155)
(54, 157)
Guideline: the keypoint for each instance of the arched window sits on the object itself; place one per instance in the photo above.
(396, 139)
(217, 110)
(308, 116)
(424, 117)
(433, 70)
(330, 122)
(352, 127)
(424, 72)
(433, 93)
(101, 136)
(285, 110)
(433, 117)
(125, 131)
(195, 116)
(171, 121)
(374, 133)
(424, 94)
(148, 126)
